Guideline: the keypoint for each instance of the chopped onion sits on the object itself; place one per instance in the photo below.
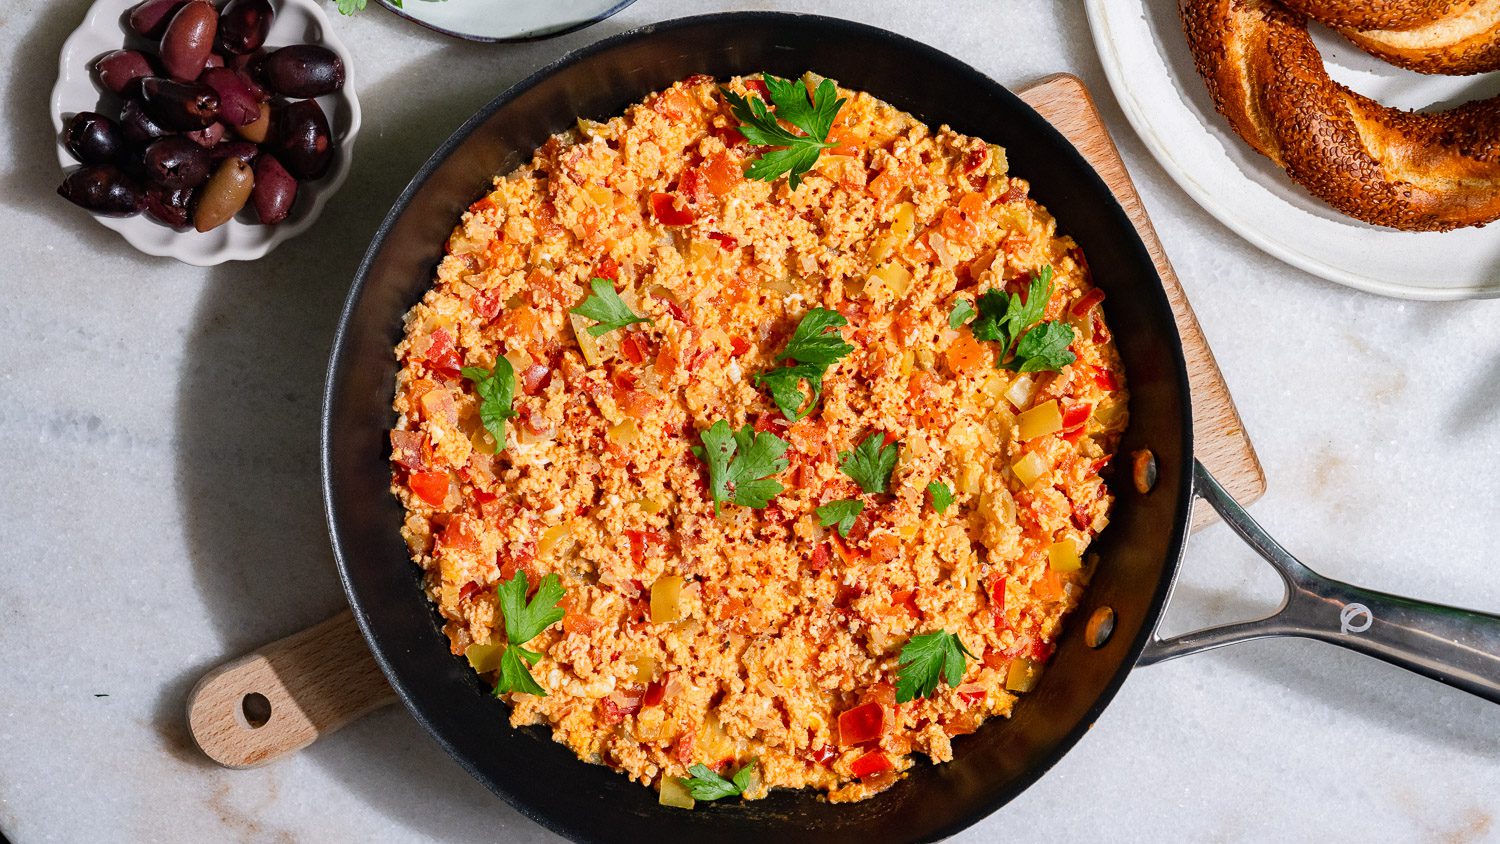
(939, 246)
(1021, 390)
(624, 433)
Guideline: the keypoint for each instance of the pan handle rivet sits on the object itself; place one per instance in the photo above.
(1143, 470)
(1100, 627)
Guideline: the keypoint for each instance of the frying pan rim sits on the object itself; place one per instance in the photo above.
(920, 52)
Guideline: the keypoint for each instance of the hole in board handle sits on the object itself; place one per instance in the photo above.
(256, 709)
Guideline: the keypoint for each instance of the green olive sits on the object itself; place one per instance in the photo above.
(225, 194)
(257, 129)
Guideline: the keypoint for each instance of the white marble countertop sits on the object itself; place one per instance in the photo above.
(161, 512)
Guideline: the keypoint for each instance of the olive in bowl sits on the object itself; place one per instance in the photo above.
(150, 123)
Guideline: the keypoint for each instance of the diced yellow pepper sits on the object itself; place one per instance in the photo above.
(1021, 675)
(1065, 555)
(484, 658)
(666, 594)
(1040, 421)
(675, 794)
(1029, 467)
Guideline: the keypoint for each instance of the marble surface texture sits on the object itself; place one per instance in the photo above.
(160, 512)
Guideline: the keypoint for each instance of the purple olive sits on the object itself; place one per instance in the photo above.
(303, 141)
(137, 125)
(120, 70)
(243, 150)
(238, 105)
(176, 163)
(243, 26)
(149, 19)
(209, 136)
(189, 39)
(102, 189)
(181, 106)
(225, 194)
(304, 70)
(94, 138)
(167, 206)
(275, 190)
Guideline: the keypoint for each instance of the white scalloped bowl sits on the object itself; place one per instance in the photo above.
(296, 22)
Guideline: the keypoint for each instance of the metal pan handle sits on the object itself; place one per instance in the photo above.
(1450, 645)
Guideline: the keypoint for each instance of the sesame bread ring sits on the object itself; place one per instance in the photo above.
(1406, 170)
(1376, 14)
(1452, 37)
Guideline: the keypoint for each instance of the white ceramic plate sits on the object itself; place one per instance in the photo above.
(296, 22)
(1146, 58)
(505, 20)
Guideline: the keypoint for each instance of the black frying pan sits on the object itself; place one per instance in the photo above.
(1140, 550)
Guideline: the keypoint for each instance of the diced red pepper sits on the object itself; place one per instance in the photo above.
(431, 487)
(1076, 415)
(656, 690)
(615, 706)
(458, 537)
(728, 243)
(664, 209)
(1089, 300)
(511, 560)
(468, 591)
(996, 593)
(822, 755)
(534, 379)
(759, 87)
(871, 763)
(487, 305)
(864, 723)
(731, 136)
(970, 693)
(976, 158)
(738, 346)
(907, 599)
(692, 187)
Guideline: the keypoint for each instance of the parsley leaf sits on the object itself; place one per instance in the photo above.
(812, 112)
(741, 463)
(942, 496)
(605, 307)
(870, 463)
(704, 784)
(815, 345)
(1044, 347)
(349, 7)
(1011, 322)
(525, 621)
(496, 390)
(962, 311)
(841, 513)
(926, 656)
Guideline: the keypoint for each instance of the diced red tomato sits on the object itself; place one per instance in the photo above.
(534, 379)
(692, 187)
(406, 449)
(457, 536)
(738, 346)
(886, 184)
(656, 690)
(640, 542)
(906, 599)
(721, 174)
(607, 268)
(862, 724)
(728, 243)
(664, 209)
(843, 144)
(514, 559)
(822, 755)
(955, 228)
(759, 87)
(1041, 650)
(996, 591)
(1014, 193)
(485, 204)
(971, 204)
(632, 346)
(615, 706)
(487, 305)
(871, 763)
(696, 80)
(442, 356)
(970, 693)
(820, 557)
(966, 354)
(1104, 379)
(1088, 300)
(731, 136)
(431, 487)
(884, 547)
(976, 158)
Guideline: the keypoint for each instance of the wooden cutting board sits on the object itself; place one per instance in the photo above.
(289, 693)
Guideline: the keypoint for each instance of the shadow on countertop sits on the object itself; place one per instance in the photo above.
(248, 416)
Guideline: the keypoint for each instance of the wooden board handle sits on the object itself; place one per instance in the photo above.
(284, 696)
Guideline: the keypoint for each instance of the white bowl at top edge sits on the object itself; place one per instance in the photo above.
(295, 22)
